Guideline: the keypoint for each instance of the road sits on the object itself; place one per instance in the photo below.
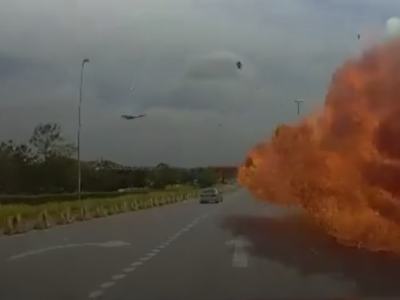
(240, 249)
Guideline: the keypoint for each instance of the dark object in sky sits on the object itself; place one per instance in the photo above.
(358, 36)
(239, 65)
(131, 117)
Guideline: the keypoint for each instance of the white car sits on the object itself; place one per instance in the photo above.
(211, 195)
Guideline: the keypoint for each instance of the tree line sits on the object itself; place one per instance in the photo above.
(47, 164)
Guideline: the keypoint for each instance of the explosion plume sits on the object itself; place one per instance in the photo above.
(342, 165)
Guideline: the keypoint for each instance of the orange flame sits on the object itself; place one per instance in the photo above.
(342, 165)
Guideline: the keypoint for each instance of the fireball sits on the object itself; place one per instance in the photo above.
(342, 165)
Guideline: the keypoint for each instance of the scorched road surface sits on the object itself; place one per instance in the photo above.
(240, 249)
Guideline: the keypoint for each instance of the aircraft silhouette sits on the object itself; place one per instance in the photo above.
(131, 117)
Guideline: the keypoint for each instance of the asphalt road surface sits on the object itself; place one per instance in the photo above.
(240, 249)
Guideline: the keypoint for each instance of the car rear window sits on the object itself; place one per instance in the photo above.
(210, 191)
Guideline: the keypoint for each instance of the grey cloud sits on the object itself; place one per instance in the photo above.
(181, 56)
(214, 96)
(213, 83)
(215, 67)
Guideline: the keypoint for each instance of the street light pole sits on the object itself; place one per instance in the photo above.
(86, 60)
(298, 102)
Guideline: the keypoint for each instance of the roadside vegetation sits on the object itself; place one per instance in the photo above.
(39, 180)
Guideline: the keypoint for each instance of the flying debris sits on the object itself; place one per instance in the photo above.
(132, 117)
(239, 65)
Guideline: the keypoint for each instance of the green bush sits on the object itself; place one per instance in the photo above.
(41, 199)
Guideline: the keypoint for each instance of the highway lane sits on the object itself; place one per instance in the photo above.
(200, 265)
(72, 272)
(181, 252)
(288, 258)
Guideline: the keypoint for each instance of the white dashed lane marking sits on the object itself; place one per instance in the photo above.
(107, 284)
(128, 270)
(95, 294)
(149, 255)
(118, 277)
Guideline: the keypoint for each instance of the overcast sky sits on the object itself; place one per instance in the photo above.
(181, 55)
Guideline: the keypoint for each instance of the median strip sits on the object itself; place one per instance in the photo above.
(20, 218)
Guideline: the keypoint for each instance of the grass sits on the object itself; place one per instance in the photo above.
(18, 218)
